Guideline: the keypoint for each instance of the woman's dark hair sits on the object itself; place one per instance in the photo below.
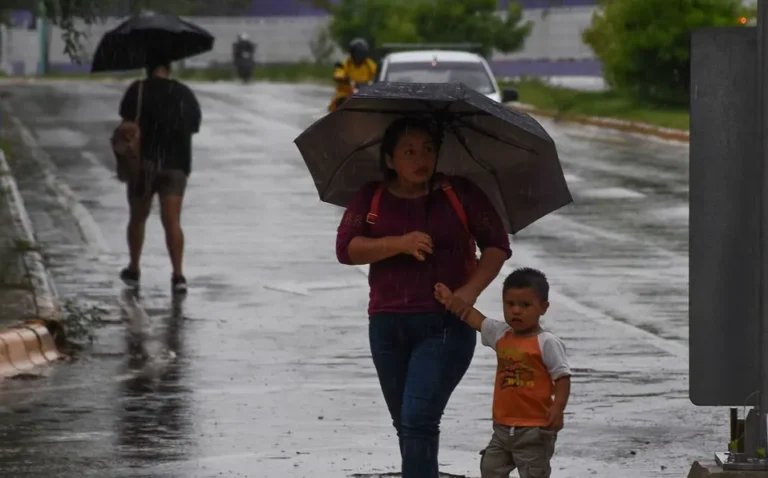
(397, 129)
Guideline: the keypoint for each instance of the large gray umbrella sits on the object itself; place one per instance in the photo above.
(506, 153)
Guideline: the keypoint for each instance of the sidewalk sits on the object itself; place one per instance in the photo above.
(17, 298)
(27, 295)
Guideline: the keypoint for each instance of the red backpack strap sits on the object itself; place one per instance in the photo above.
(373, 213)
(472, 260)
(454, 199)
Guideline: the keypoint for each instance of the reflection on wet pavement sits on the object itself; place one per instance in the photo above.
(266, 370)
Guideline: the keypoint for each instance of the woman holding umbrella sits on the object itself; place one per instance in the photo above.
(420, 352)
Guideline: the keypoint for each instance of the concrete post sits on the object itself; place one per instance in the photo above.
(762, 121)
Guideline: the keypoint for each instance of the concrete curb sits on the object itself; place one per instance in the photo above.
(610, 123)
(711, 470)
(28, 345)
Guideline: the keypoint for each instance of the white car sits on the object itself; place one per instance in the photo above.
(444, 66)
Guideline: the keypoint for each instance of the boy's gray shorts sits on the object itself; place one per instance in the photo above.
(527, 449)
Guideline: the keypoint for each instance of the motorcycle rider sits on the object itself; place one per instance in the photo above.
(243, 51)
(357, 69)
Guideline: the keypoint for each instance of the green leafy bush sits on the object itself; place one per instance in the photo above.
(644, 45)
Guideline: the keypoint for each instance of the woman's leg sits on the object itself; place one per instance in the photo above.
(391, 353)
(171, 187)
(437, 364)
(140, 205)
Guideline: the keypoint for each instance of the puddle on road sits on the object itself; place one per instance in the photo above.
(61, 138)
(612, 193)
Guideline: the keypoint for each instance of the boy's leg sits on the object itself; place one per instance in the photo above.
(497, 460)
(532, 449)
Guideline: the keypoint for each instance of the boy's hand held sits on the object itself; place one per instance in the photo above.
(442, 293)
(452, 302)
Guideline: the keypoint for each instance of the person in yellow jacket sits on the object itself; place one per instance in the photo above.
(357, 69)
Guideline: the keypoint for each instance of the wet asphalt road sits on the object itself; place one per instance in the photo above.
(264, 370)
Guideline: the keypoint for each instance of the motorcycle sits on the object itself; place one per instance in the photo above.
(338, 101)
(245, 66)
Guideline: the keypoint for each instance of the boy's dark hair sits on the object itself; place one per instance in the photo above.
(526, 277)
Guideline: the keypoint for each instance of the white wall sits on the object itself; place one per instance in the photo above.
(286, 39)
(555, 36)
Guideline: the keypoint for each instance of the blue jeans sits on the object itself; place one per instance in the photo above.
(420, 359)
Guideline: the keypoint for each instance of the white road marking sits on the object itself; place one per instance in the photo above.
(611, 193)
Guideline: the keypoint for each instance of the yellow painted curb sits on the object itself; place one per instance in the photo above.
(47, 343)
(25, 347)
(610, 123)
(6, 367)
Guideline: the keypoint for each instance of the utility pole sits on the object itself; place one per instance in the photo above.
(762, 91)
(42, 32)
(729, 172)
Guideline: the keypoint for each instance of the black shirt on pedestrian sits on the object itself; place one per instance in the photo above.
(170, 115)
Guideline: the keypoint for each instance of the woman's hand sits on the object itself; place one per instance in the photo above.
(416, 244)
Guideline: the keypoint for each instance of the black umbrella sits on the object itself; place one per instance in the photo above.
(149, 38)
(506, 153)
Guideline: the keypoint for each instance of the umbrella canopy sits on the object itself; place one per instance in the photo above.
(506, 153)
(149, 38)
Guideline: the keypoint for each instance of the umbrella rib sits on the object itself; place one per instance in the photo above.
(458, 119)
(493, 136)
(385, 112)
(344, 162)
(463, 143)
(496, 178)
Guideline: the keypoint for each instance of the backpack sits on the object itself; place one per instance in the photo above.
(445, 185)
(126, 144)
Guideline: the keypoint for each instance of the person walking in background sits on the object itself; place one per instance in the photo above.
(532, 368)
(169, 116)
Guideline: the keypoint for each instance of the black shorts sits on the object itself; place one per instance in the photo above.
(165, 182)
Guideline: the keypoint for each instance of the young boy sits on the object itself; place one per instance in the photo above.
(532, 367)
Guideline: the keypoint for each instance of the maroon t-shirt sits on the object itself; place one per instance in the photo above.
(403, 284)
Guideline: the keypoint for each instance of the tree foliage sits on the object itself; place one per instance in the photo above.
(322, 46)
(477, 21)
(644, 45)
(382, 20)
(428, 21)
